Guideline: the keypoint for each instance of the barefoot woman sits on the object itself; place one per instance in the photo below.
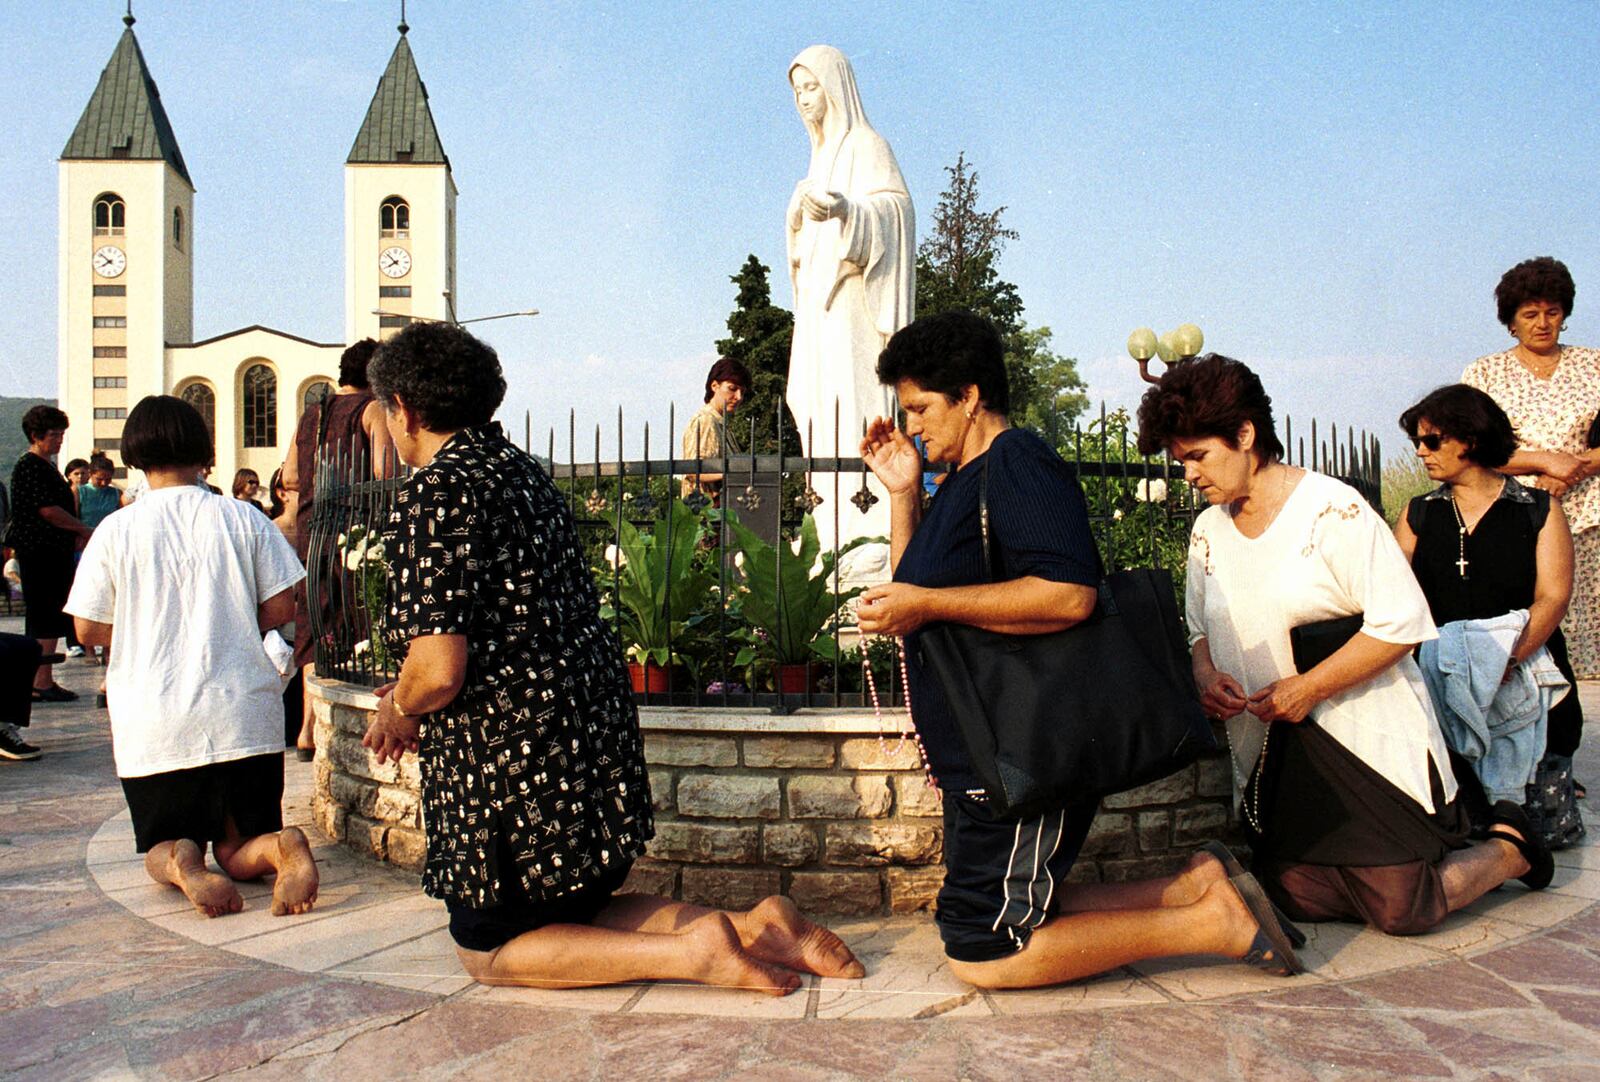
(514, 695)
(188, 581)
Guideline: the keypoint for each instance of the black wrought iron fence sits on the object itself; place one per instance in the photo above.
(731, 600)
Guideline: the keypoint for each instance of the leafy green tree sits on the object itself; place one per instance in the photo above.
(957, 268)
(760, 334)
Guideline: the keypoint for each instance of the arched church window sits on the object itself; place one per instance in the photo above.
(260, 401)
(316, 392)
(177, 227)
(110, 215)
(394, 217)
(204, 400)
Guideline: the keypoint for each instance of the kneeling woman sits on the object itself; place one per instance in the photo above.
(1344, 773)
(514, 696)
(1006, 913)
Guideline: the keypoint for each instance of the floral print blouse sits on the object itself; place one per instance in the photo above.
(540, 754)
(1549, 414)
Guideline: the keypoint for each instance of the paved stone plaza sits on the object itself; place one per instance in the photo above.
(105, 975)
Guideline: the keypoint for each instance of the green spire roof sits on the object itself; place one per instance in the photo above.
(124, 117)
(399, 125)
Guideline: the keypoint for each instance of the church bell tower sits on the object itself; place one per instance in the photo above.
(125, 253)
(399, 209)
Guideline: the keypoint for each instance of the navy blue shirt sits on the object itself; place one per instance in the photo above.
(1038, 526)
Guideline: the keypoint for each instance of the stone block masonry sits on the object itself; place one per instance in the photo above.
(813, 805)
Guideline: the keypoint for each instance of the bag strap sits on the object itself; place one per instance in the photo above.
(983, 518)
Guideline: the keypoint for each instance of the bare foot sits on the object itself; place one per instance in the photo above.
(724, 963)
(295, 888)
(212, 893)
(1200, 874)
(776, 932)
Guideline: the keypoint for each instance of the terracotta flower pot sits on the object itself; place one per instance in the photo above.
(650, 677)
(798, 678)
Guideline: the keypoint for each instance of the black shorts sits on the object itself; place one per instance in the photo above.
(492, 928)
(197, 803)
(1001, 875)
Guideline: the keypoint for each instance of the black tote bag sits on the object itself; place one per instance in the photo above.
(1104, 706)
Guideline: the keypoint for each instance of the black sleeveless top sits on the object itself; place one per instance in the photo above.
(1501, 553)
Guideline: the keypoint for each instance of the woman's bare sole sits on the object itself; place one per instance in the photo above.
(725, 963)
(212, 893)
(777, 933)
(294, 890)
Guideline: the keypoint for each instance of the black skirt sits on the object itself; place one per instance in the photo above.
(1321, 804)
(198, 802)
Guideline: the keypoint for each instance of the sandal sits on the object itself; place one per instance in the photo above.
(305, 755)
(1270, 950)
(55, 693)
(1231, 865)
(1541, 865)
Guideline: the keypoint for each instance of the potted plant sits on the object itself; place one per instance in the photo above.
(658, 586)
(788, 603)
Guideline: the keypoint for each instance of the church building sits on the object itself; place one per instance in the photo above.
(126, 268)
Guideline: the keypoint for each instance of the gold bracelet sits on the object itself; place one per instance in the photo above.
(394, 700)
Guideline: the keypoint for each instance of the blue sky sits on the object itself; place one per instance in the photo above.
(1330, 190)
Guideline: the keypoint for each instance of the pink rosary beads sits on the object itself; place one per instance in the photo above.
(877, 710)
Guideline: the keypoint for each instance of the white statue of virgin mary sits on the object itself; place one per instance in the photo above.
(852, 259)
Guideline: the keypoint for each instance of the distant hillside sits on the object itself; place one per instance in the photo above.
(12, 441)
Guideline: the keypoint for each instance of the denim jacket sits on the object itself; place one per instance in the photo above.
(1497, 725)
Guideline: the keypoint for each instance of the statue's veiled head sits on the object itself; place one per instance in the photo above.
(825, 93)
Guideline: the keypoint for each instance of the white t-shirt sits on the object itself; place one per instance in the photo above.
(180, 575)
(1327, 554)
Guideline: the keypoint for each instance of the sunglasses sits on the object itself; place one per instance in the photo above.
(1430, 440)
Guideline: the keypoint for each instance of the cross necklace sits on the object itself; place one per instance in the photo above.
(1461, 536)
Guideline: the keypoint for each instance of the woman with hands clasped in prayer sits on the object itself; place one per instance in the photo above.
(1006, 914)
(1343, 772)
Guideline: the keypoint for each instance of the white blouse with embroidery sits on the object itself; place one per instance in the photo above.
(1549, 414)
(1327, 554)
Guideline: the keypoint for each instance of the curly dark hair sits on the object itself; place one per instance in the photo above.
(1541, 279)
(41, 419)
(164, 432)
(353, 363)
(1211, 395)
(947, 353)
(1470, 416)
(447, 377)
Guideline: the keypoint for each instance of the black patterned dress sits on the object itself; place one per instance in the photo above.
(539, 757)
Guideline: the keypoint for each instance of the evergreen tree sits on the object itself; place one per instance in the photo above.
(957, 268)
(760, 334)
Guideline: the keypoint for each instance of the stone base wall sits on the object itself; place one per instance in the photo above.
(748, 804)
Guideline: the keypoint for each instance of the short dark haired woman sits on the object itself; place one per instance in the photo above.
(1484, 548)
(187, 581)
(514, 695)
(1342, 770)
(1006, 913)
(1551, 393)
(45, 532)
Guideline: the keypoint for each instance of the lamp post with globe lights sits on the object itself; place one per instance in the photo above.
(1179, 344)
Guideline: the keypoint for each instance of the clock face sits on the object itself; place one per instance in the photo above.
(109, 261)
(395, 262)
